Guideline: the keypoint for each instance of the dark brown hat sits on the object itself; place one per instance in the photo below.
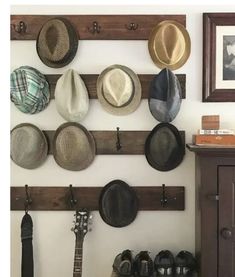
(118, 204)
(164, 147)
(57, 42)
(73, 146)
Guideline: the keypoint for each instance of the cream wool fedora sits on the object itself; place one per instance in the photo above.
(119, 90)
(71, 96)
(169, 45)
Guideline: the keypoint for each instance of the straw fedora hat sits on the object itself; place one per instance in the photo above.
(165, 96)
(57, 42)
(73, 146)
(29, 146)
(119, 90)
(29, 90)
(164, 147)
(169, 45)
(71, 96)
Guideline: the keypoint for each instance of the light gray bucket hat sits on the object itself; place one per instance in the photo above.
(71, 96)
(165, 96)
(73, 146)
(29, 146)
(119, 90)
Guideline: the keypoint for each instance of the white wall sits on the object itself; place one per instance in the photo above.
(152, 231)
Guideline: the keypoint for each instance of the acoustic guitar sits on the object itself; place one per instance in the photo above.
(80, 229)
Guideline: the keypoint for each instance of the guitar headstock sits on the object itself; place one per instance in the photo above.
(82, 219)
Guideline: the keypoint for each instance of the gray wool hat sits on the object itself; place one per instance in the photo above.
(29, 146)
(165, 96)
(73, 146)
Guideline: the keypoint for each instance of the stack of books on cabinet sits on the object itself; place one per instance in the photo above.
(211, 135)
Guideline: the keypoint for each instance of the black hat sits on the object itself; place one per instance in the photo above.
(164, 147)
(57, 42)
(118, 204)
(165, 96)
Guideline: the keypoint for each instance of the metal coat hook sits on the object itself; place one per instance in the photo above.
(73, 201)
(118, 143)
(28, 200)
(164, 199)
(95, 28)
(132, 26)
(20, 27)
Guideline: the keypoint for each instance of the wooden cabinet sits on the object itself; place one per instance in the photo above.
(215, 211)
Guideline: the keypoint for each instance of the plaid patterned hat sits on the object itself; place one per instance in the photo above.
(29, 90)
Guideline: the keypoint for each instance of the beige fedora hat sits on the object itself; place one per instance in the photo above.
(71, 96)
(119, 90)
(169, 45)
(29, 146)
(73, 146)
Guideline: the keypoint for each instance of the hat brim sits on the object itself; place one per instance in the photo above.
(107, 204)
(176, 159)
(45, 148)
(155, 57)
(82, 165)
(135, 101)
(73, 37)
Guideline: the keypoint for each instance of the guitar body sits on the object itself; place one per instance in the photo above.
(80, 229)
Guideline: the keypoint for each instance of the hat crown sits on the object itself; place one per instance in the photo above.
(28, 146)
(170, 44)
(74, 147)
(52, 38)
(71, 96)
(117, 87)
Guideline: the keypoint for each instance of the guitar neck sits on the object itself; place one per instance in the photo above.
(77, 267)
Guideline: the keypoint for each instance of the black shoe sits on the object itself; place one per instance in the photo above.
(185, 264)
(164, 263)
(123, 264)
(143, 265)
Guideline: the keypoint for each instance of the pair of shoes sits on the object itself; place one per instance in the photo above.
(184, 264)
(125, 265)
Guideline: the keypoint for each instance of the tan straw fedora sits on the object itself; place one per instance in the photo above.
(29, 146)
(57, 42)
(119, 90)
(73, 146)
(169, 45)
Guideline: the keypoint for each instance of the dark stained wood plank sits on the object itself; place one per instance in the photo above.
(111, 27)
(58, 198)
(132, 142)
(90, 81)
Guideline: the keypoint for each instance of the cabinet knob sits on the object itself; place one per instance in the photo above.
(226, 233)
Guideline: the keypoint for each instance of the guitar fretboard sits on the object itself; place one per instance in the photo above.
(77, 267)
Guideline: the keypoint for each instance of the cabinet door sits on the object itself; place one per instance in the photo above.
(226, 221)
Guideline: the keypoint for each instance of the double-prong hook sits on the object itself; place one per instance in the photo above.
(95, 28)
(73, 201)
(164, 199)
(118, 142)
(28, 200)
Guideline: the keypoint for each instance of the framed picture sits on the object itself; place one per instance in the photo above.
(219, 57)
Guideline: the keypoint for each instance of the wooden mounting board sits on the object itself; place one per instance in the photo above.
(111, 27)
(58, 198)
(90, 82)
(132, 142)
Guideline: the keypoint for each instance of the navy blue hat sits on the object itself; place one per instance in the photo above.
(165, 96)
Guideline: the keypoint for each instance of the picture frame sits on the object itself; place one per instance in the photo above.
(218, 57)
